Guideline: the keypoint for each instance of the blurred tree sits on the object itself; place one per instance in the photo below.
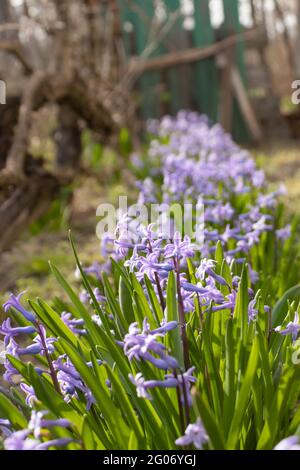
(68, 54)
(4, 11)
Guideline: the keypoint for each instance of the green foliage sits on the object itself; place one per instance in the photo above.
(244, 375)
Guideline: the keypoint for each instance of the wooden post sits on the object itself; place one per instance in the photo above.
(245, 104)
(226, 64)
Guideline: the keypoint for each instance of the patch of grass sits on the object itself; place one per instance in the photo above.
(281, 162)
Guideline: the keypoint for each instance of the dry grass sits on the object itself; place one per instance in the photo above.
(281, 162)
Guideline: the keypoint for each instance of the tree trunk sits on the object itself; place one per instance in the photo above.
(8, 120)
(67, 138)
(24, 203)
(4, 11)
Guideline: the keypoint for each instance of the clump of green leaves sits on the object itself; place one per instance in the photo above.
(247, 379)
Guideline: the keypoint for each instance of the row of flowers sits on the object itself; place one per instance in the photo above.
(167, 334)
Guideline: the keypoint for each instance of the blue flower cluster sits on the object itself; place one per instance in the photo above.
(191, 159)
(31, 438)
(65, 378)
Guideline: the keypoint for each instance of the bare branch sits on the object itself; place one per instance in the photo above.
(14, 49)
(137, 66)
(9, 27)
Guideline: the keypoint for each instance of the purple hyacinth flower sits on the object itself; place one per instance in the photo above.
(206, 268)
(141, 345)
(229, 234)
(292, 328)
(143, 385)
(252, 311)
(5, 427)
(165, 362)
(95, 270)
(14, 302)
(284, 233)
(32, 349)
(139, 382)
(107, 244)
(11, 348)
(43, 342)
(84, 296)
(261, 225)
(74, 324)
(254, 276)
(165, 327)
(96, 319)
(20, 440)
(99, 297)
(30, 394)
(37, 423)
(9, 332)
(195, 435)
(169, 382)
(179, 248)
(10, 373)
(267, 309)
(70, 381)
(188, 302)
(213, 294)
(134, 262)
(187, 286)
(185, 382)
(5, 422)
(150, 265)
(289, 443)
(61, 442)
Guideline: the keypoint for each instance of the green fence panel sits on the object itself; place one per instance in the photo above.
(232, 25)
(205, 70)
(181, 88)
(173, 75)
(138, 15)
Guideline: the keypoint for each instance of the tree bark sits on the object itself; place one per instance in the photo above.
(15, 161)
(67, 138)
(25, 203)
(4, 11)
(8, 121)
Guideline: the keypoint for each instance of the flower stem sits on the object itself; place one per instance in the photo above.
(48, 358)
(181, 415)
(159, 290)
(184, 339)
(185, 398)
(160, 293)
